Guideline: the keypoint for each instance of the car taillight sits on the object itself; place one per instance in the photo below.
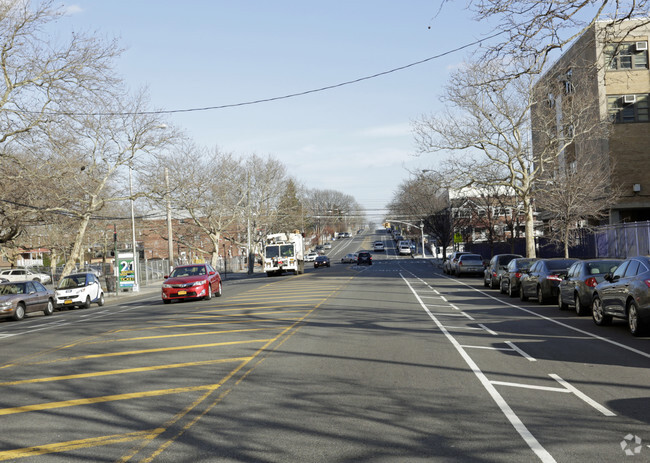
(591, 282)
(460, 263)
(647, 282)
(554, 278)
(518, 275)
(494, 274)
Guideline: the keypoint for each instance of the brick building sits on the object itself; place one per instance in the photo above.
(607, 65)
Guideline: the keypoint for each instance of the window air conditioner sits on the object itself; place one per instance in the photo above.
(640, 46)
(629, 98)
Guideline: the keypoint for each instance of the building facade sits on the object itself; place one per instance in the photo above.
(602, 81)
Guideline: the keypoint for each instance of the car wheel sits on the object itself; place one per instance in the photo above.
(219, 291)
(580, 309)
(598, 313)
(522, 294)
(101, 300)
(540, 296)
(19, 313)
(633, 320)
(561, 305)
(209, 295)
(493, 285)
(167, 301)
(49, 309)
(87, 303)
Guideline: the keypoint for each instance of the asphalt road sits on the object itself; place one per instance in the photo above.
(389, 362)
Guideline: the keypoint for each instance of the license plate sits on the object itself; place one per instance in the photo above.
(182, 293)
(68, 301)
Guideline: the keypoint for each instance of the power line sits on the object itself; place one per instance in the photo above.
(290, 95)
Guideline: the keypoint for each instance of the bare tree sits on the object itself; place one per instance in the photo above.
(532, 29)
(576, 196)
(44, 80)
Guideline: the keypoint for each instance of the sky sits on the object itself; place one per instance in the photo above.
(353, 138)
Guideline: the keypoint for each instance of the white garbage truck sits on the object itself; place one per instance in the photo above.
(284, 252)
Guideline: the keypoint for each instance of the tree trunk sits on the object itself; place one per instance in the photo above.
(530, 229)
(77, 248)
(566, 242)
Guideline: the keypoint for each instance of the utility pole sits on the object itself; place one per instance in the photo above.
(170, 241)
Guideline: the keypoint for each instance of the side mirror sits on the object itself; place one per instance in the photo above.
(608, 277)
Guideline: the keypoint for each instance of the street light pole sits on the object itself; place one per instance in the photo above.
(170, 241)
(136, 286)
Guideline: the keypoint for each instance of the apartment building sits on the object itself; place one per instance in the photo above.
(596, 108)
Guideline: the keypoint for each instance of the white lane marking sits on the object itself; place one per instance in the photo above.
(493, 333)
(587, 333)
(441, 296)
(531, 386)
(521, 352)
(519, 426)
(467, 315)
(467, 346)
(453, 306)
(582, 396)
(450, 314)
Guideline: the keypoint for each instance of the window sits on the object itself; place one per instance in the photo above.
(632, 269)
(624, 56)
(621, 112)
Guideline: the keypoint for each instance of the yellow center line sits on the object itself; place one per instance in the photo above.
(147, 351)
(181, 335)
(124, 371)
(76, 444)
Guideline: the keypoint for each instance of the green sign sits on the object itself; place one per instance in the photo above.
(125, 269)
(458, 238)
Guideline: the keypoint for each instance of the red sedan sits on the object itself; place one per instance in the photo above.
(191, 282)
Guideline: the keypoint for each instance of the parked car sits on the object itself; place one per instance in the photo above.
(22, 297)
(448, 266)
(469, 264)
(577, 287)
(349, 259)
(23, 274)
(364, 258)
(194, 281)
(327, 245)
(311, 257)
(511, 279)
(543, 278)
(378, 246)
(625, 294)
(496, 269)
(322, 261)
(79, 290)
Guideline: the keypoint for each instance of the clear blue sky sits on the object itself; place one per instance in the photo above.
(355, 138)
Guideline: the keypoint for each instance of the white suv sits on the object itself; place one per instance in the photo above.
(79, 290)
(378, 246)
(22, 274)
(404, 248)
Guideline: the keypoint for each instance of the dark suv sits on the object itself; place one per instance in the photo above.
(364, 258)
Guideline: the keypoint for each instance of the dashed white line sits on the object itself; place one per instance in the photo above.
(519, 426)
(493, 333)
(582, 396)
(523, 354)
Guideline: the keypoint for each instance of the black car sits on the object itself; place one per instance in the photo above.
(577, 287)
(625, 294)
(511, 279)
(543, 279)
(496, 269)
(322, 261)
(364, 258)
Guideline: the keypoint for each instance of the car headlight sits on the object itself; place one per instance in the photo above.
(167, 286)
(199, 283)
(5, 305)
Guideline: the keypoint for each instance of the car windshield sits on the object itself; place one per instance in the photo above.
(72, 281)
(524, 264)
(559, 264)
(272, 251)
(467, 258)
(193, 270)
(6, 290)
(286, 250)
(597, 268)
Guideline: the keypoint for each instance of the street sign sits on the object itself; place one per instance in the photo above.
(125, 268)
